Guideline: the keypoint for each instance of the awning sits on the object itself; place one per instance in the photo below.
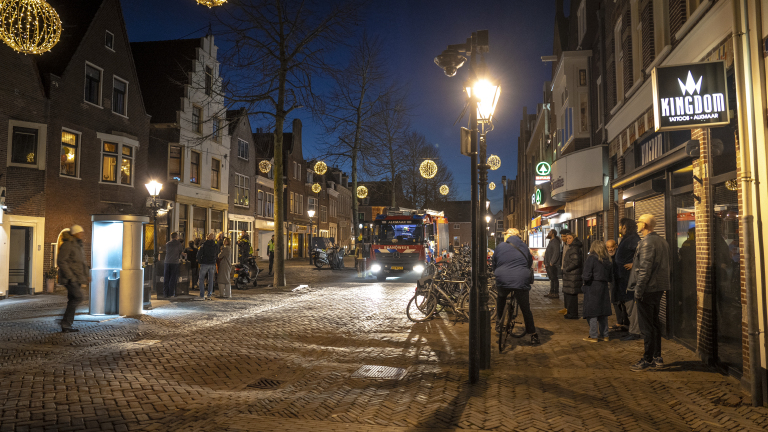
(669, 159)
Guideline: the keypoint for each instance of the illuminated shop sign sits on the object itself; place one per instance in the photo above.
(542, 179)
(543, 169)
(690, 96)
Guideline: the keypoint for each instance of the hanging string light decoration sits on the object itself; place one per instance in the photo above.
(362, 191)
(29, 26)
(320, 168)
(210, 3)
(494, 162)
(444, 190)
(316, 188)
(265, 166)
(428, 169)
(732, 185)
(491, 185)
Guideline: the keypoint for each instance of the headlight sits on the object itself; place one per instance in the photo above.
(418, 268)
(375, 268)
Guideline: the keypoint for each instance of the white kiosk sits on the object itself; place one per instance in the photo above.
(116, 248)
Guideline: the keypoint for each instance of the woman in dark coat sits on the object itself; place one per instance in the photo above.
(597, 274)
(573, 263)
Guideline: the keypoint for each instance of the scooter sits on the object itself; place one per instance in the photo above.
(245, 274)
(334, 257)
(320, 258)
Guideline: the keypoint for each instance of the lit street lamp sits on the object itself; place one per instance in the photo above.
(311, 214)
(153, 188)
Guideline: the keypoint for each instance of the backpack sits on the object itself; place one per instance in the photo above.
(206, 254)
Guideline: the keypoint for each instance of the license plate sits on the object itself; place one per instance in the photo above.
(396, 268)
(236, 275)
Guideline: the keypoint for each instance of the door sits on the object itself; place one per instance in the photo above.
(684, 309)
(655, 206)
(19, 260)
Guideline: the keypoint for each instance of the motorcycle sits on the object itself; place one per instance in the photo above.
(334, 257)
(245, 274)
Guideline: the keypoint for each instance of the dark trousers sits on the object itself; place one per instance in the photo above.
(523, 299)
(74, 298)
(650, 326)
(170, 279)
(271, 261)
(554, 283)
(622, 317)
(194, 273)
(571, 302)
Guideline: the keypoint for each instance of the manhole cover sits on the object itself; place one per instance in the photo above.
(265, 383)
(379, 372)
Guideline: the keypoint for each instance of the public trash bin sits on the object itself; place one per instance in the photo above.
(112, 306)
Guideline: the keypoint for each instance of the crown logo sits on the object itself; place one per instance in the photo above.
(689, 85)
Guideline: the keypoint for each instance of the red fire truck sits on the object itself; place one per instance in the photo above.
(405, 240)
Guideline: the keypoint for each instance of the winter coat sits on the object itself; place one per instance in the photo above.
(225, 265)
(650, 269)
(244, 250)
(207, 253)
(597, 275)
(553, 255)
(71, 261)
(573, 263)
(625, 254)
(173, 251)
(512, 268)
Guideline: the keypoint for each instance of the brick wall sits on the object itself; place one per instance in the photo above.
(704, 271)
(238, 165)
(646, 17)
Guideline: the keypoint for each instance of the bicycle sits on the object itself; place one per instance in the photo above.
(507, 322)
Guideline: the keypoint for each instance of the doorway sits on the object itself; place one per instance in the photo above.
(20, 260)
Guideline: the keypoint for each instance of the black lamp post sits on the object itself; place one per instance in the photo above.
(310, 213)
(154, 190)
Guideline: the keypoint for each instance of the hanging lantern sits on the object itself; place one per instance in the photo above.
(444, 190)
(362, 191)
(29, 26)
(320, 168)
(428, 169)
(265, 166)
(210, 3)
(732, 185)
(491, 185)
(494, 162)
(316, 188)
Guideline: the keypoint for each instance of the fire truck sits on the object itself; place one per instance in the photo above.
(405, 240)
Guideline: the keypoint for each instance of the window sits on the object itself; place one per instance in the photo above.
(260, 210)
(323, 214)
(301, 205)
(271, 173)
(660, 11)
(194, 167)
(24, 146)
(109, 162)
(312, 205)
(197, 116)
(582, 20)
(119, 89)
(92, 84)
(216, 129)
(298, 172)
(456, 226)
(618, 59)
(309, 176)
(215, 174)
(243, 191)
(269, 205)
(208, 80)
(69, 145)
(294, 170)
(242, 149)
(292, 203)
(109, 41)
(360, 217)
(126, 166)
(175, 162)
(599, 101)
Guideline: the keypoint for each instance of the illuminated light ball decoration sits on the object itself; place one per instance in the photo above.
(732, 185)
(321, 168)
(29, 26)
(428, 169)
(491, 185)
(444, 189)
(211, 3)
(316, 188)
(494, 162)
(362, 191)
(265, 166)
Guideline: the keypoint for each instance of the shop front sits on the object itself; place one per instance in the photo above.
(236, 227)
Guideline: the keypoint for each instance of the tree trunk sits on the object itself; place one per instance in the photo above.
(279, 268)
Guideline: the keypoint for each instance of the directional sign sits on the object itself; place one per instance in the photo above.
(543, 169)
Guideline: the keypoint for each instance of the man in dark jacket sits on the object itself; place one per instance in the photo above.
(512, 261)
(552, 263)
(206, 256)
(191, 253)
(244, 249)
(174, 250)
(625, 254)
(73, 272)
(573, 265)
(650, 279)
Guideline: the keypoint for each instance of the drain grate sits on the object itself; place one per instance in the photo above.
(265, 383)
(379, 372)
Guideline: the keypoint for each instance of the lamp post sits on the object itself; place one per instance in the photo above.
(310, 213)
(153, 187)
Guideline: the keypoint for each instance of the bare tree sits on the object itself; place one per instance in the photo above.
(278, 48)
(418, 190)
(388, 133)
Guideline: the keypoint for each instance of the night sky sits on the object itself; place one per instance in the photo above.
(415, 31)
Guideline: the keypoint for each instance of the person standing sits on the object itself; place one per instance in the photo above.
(573, 264)
(271, 253)
(206, 256)
(191, 253)
(552, 263)
(225, 270)
(596, 276)
(174, 250)
(625, 254)
(512, 261)
(244, 250)
(617, 298)
(650, 272)
(73, 272)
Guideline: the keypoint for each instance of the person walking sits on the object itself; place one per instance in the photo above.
(552, 263)
(650, 271)
(224, 277)
(191, 253)
(622, 319)
(73, 272)
(625, 254)
(271, 253)
(573, 264)
(512, 261)
(596, 276)
(206, 256)
(174, 250)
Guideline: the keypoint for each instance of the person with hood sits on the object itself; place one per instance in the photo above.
(512, 261)
(552, 263)
(624, 262)
(73, 272)
(573, 264)
(206, 256)
(225, 270)
(596, 276)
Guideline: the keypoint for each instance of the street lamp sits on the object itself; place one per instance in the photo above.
(153, 188)
(311, 214)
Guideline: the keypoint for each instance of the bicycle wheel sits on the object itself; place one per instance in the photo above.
(503, 330)
(421, 307)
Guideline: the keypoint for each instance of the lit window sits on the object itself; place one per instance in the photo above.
(175, 159)
(24, 146)
(194, 167)
(109, 163)
(215, 173)
(242, 190)
(119, 89)
(92, 84)
(197, 119)
(126, 166)
(69, 144)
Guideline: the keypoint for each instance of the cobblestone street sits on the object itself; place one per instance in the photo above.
(198, 366)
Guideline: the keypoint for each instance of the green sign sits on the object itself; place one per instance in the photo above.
(543, 169)
(538, 196)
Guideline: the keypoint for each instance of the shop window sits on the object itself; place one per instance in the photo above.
(70, 143)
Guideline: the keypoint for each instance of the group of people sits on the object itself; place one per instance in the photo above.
(630, 276)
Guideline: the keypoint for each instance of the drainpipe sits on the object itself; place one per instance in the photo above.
(743, 70)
